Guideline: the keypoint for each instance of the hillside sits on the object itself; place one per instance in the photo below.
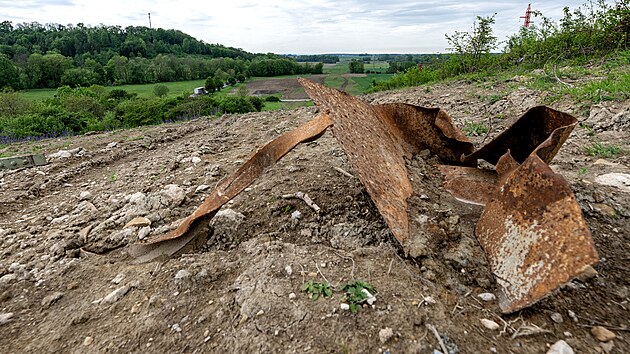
(66, 283)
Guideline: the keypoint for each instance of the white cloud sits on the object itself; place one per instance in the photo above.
(284, 26)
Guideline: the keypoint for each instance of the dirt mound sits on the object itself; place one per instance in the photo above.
(67, 285)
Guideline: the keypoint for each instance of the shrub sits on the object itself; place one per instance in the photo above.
(160, 90)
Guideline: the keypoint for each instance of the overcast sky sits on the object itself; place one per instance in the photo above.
(294, 26)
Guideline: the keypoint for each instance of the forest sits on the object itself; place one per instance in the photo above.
(33, 55)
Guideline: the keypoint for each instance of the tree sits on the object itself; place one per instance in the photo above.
(9, 76)
(209, 84)
(160, 90)
(356, 67)
(472, 47)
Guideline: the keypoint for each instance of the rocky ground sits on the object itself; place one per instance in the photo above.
(67, 285)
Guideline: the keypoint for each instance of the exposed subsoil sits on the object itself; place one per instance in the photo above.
(67, 285)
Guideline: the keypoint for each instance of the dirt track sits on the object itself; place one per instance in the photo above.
(63, 239)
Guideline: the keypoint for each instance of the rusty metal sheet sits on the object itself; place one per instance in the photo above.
(377, 138)
(534, 235)
(230, 187)
(469, 184)
(526, 134)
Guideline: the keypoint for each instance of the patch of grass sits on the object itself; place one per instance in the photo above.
(474, 129)
(316, 289)
(603, 150)
(364, 83)
(113, 177)
(492, 99)
(334, 81)
(339, 68)
(355, 294)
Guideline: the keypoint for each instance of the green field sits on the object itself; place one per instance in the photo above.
(146, 90)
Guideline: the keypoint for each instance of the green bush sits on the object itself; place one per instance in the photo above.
(160, 90)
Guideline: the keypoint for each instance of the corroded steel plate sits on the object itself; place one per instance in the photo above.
(534, 235)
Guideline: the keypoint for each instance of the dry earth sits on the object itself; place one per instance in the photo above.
(66, 284)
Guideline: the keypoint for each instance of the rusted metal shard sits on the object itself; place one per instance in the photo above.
(468, 184)
(378, 138)
(526, 134)
(230, 187)
(534, 235)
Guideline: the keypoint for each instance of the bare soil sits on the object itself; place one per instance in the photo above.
(63, 239)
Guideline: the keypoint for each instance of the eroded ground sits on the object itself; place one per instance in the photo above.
(66, 284)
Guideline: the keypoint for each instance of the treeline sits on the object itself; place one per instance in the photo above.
(282, 66)
(315, 58)
(412, 58)
(79, 110)
(581, 35)
(101, 43)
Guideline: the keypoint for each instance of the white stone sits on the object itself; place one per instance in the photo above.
(182, 274)
(118, 278)
(144, 232)
(195, 160)
(85, 195)
(202, 188)
(292, 296)
(345, 307)
(5, 318)
(487, 297)
(489, 324)
(560, 347)
(619, 180)
(175, 193)
(115, 295)
(296, 215)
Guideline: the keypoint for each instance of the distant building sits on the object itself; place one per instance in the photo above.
(200, 91)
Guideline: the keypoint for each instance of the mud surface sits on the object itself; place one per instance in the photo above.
(67, 285)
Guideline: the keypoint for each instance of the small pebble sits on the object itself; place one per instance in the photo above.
(118, 278)
(288, 269)
(556, 317)
(88, 341)
(487, 297)
(260, 313)
(573, 316)
(292, 296)
(182, 274)
(489, 324)
(385, 334)
(5, 318)
(296, 215)
(345, 307)
(602, 334)
(176, 328)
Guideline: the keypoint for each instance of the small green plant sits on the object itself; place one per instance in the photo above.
(288, 208)
(605, 151)
(500, 116)
(316, 289)
(474, 129)
(492, 99)
(582, 171)
(113, 177)
(355, 296)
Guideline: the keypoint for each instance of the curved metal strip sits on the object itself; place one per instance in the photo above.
(230, 187)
